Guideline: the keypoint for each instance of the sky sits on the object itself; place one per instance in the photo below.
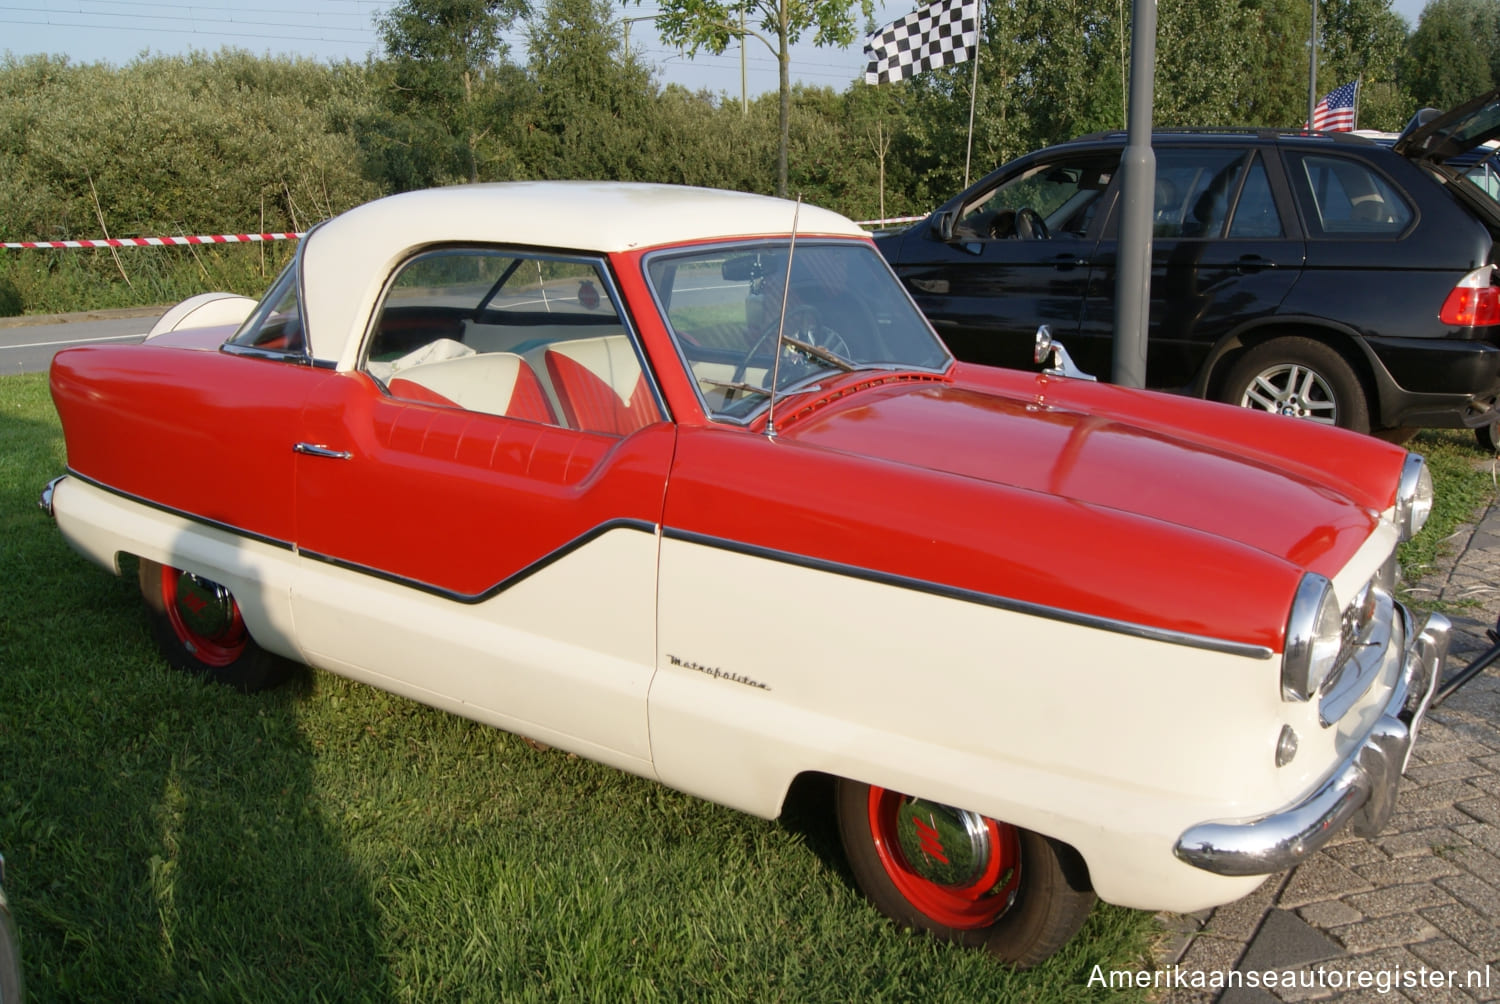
(117, 31)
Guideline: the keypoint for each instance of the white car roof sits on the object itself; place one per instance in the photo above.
(345, 261)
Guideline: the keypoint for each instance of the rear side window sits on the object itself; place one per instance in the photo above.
(274, 328)
(521, 336)
(1342, 197)
(1193, 191)
(1255, 215)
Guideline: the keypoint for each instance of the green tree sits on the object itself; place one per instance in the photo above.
(445, 83)
(1449, 56)
(1363, 40)
(712, 24)
(590, 104)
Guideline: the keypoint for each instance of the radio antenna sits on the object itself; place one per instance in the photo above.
(786, 287)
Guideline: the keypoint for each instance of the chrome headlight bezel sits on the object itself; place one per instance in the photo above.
(1314, 638)
(1414, 496)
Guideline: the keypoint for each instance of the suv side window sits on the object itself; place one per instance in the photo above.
(1255, 215)
(1341, 196)
(1194, 189)
(1066, 194)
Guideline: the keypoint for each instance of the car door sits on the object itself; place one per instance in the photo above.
(1225, 251)
(478, 502)
(1015, 256)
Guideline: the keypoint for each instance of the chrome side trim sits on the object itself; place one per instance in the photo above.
(182, 513)
(1244, 649)
(510, 580)
(1361, 792)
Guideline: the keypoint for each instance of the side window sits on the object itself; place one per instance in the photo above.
(275, 326)
(1064, 196)
(1255, 215)
(525, 337)
(1194, 188)
(1345, 197)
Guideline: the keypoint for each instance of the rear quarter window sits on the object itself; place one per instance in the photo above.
(1342, 197)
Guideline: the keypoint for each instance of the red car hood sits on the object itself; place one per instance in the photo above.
(1238, 476)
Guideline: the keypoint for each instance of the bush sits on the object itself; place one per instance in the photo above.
(11, 304)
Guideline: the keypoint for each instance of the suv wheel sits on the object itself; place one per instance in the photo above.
(1302, 378)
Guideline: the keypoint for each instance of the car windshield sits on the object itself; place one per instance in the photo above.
(844, 311)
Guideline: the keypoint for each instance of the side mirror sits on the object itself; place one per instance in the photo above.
(942, 225)
(1062, 363)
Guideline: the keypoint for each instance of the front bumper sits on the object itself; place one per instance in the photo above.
(1362, 790)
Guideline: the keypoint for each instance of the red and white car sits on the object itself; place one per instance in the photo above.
(682, 481)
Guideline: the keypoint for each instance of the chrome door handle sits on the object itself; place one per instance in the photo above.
(319, 450)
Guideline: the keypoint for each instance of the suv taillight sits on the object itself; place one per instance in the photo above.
(1473, 302)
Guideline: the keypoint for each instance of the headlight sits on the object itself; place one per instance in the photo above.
(1314, 636)
(1413, 497)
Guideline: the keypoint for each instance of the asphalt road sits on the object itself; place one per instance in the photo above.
(27, 344)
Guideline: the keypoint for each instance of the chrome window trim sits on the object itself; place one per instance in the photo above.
(305, 357)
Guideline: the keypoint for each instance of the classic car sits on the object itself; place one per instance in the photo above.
(682, 481)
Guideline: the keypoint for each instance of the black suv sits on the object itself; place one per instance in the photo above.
(1322, 275)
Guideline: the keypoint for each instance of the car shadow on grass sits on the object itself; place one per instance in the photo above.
(165, 839)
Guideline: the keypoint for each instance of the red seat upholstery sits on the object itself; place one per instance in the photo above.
(600, 386)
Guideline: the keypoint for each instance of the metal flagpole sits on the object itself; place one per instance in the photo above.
(973, 89)
(1312, 67)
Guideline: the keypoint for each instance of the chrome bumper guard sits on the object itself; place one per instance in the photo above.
(46, 500)
(1362, 791)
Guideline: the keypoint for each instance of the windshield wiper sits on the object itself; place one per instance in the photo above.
(739, 385)
(819, 352)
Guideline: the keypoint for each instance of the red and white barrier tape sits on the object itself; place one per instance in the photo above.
(141, 242)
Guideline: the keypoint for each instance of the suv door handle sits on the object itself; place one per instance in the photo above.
(1068, 260)
(319, 450)
(1253, 263)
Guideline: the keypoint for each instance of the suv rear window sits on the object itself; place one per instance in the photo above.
(1341, 196)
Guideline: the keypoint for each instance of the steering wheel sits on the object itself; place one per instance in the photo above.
(1030, 225)
(803, 323)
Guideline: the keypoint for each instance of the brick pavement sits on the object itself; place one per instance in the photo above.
(1425, 893)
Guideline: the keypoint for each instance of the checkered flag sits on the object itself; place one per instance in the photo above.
(940, 34)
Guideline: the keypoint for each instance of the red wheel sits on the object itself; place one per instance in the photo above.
(197, 625)
(959, 868)
(962, 876)
(204, 617)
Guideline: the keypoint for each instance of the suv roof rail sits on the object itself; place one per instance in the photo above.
(1257, 132)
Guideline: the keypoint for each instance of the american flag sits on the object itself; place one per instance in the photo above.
(940, 34)
(1335, 113)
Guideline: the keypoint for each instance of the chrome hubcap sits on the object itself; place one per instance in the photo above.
(1290, 389)
(206, 608)
(944, 845)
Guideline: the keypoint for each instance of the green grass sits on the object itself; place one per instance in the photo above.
(171, 841)
(1464, 478)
